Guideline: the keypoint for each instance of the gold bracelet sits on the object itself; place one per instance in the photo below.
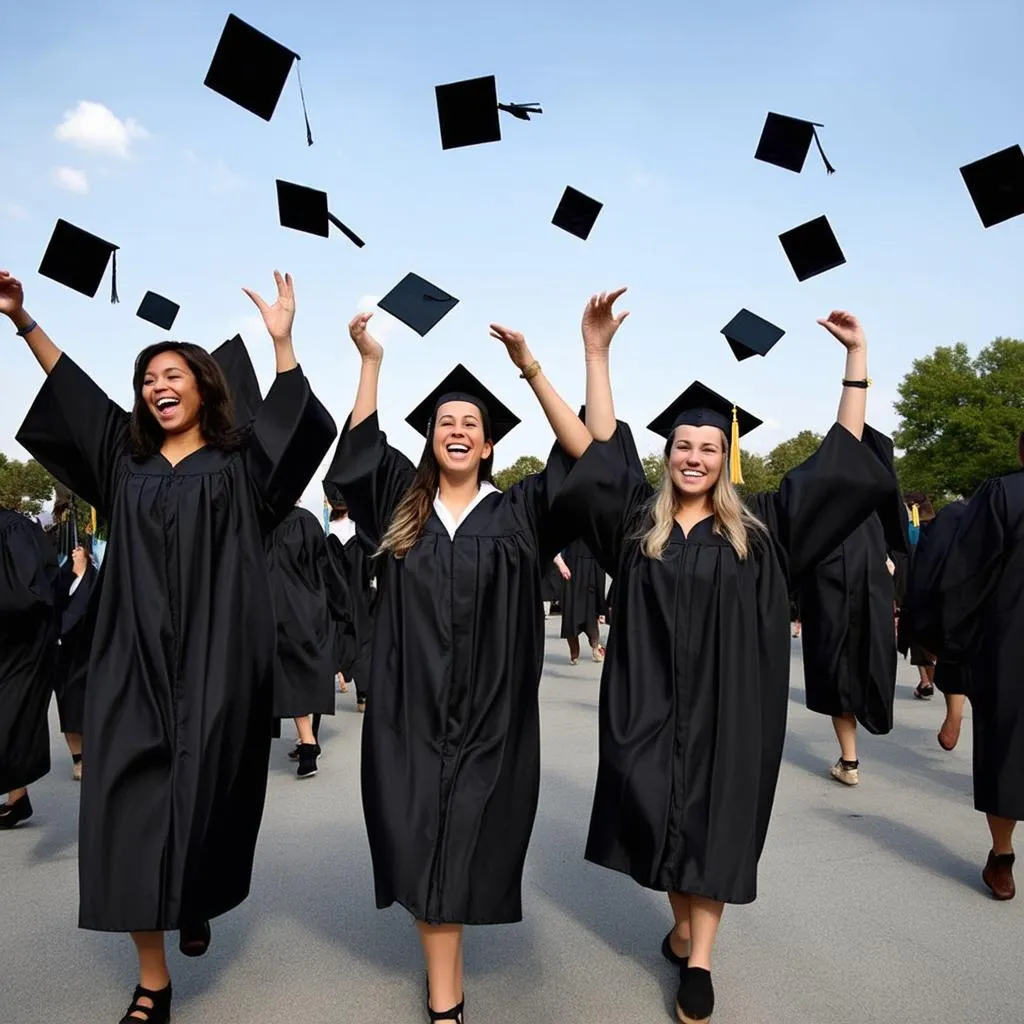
(531, 371)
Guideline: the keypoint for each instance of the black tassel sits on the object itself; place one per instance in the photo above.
(302, 96)
(113, 281)
(521, 110)
(347, 232)
(828, 167)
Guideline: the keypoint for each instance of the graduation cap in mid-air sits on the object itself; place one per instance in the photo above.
(576, 213)
(78, 260)
(155, 309)
(699, 406)
(468, 112)
(250, 69)
(461, 386)
(812, 248)
(996, 185)
(418, 304)
(233, 359)
(750, 335)
(785, 142)
(305, 209)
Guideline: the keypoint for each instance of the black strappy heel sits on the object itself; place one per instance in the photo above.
(194, 939)
(158, 1013)
(455, 1013)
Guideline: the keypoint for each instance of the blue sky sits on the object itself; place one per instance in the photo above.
(653, 108)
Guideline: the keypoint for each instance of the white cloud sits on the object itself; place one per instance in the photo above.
(92, 126)
(12, 211)
(71, 178)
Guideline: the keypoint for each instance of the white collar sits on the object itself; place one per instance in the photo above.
(343, 529)
(451, 524)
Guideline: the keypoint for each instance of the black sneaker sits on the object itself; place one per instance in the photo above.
(308, 753)
(293, 754)
(13, 814)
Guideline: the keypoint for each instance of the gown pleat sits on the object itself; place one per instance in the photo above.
(71, 670)
(583, 594)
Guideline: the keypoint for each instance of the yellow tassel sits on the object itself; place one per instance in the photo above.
(92, 521)
(915, 514)
(735, 466)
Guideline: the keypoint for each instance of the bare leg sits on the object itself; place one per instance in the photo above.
(705, 917)
(679, 941)
(574, 648)
(15, 795)
(1002, 834)
(342, 684)
(304, 728)
(846, 732)
(442, 950)
(74, 742)
(949, 734)
(153, 973)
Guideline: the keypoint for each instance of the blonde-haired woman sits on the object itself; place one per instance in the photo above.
(451, 744)
(695, 682)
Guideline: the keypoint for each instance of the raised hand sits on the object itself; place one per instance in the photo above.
(369, 347)
(600, 323)
(280, 316)
(515, 343)
(79, 561)
(12, 295)
(845, 328)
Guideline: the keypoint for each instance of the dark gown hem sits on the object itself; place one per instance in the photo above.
(688, 890)
(471, 922)
(162, 924)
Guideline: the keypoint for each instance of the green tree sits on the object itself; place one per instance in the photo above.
(789, 454)
(757, 476)
(24, 486)
(524, 466)
(960, 418)
(654, 468)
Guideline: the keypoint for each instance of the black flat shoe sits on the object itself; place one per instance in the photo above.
(158, 1013)
(455, 1013)
(12, 815)
(670, 955)
(194, 939)
(695, 999)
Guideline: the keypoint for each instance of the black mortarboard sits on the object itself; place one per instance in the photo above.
(750, 335)
(468, 112)
(699, 406)
(78, 260)
(250, 69)
(305, 209)
(155, 309)
(576, 213)
(418, 304)
(233, 359)
(461, 386)
(785, 141)
(996, 185)
(812, 248)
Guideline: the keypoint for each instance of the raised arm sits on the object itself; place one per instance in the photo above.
(599, 327)
(846, 329)
(12, 304)
(279, 319)
(371, 354)
(571, 434)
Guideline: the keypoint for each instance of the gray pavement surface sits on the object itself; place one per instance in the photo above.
(871, 907)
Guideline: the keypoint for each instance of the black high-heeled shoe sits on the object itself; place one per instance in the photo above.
(12, 815)
(158, 1013)
(455, 1013)
(194, 939)
(695, 998)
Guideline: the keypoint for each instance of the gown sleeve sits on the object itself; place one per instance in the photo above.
(25, 585)
(823, 500)
(603, 495)
(77, 433)
(291, 434)
(371, 474)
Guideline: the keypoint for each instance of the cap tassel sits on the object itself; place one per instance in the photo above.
(915, 515)
(113, 281)
(347, 232)
(735, 466)
(302, 96)
(828, 167)
(521, 110)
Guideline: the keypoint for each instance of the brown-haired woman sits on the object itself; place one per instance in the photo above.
(696, 678)
(177, 725)
(451, 751)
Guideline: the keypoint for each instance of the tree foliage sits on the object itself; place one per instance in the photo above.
(960, 418)
(654, 468)
(790, 454)
(24, 486)
(524, 466)
(757, 475)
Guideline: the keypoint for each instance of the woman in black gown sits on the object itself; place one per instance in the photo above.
(695, 684)
(177, 725)
(451, 753)
(583, 601)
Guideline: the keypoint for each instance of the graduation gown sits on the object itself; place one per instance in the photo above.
(28, 634)
(304, 665)
(451, 741)
(177, 725)
(73, 648)
(695, 685)
(583, 593)
(352, 561)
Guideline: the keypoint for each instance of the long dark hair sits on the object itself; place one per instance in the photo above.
(216, 413)
(414, 509)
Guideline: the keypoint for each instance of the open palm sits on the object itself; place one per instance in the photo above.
(599, 321)
(280, 316)
(12, 295)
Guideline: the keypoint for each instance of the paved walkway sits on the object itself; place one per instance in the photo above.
(871, 908)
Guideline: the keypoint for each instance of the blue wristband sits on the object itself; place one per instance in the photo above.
(27, 330)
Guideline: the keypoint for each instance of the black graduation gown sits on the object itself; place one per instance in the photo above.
(978, 606)
(177, 725)
(583, 593)
(551, 584)
(695, 685)
(353, 561)
(28, 634)
(451, 741)
(72, 661)
(304, 666)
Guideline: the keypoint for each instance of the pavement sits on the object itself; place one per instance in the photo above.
(871, 907)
